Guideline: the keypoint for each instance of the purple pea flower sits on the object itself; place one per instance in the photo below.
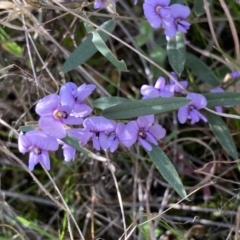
(179, 13)
(235, 74)
(158, 13)
(174, 86)
(38, 143)
(110, 5)
(96, 128)
(74, 97)
(159, 90)
(53, 116)
(68, 151)
(142, 131)
(190, 111)
(115, 136)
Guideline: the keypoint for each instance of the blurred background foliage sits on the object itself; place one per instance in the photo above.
(35, 44)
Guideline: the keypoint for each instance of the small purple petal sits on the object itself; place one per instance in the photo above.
(52, 126)
(157, 131)
(183, 114)
(160, 83)
(33, 161)
(81, 110)
(47, 105)
(66, 94)
(198, 100)
(73, 120)
(150, 138)
(83, 92)
(44, 159)
(179, 11)
(114, 145)
(96, 144)
(68, 152)
(145, 121)
(130, 134)
(103, 140)
(219, 109)
(145, 144)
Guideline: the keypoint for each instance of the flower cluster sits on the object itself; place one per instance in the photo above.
(190, 111)
(59, 113)
(170, 18)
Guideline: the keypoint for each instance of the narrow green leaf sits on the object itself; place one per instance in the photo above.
(87, 49)
(143, 107)
(71, 141)
(8, 45)
(222, 99)
(198, 7)
(176, 52)
(201, 70)
(166, 168)
(36, 228)
(106, 52)
(106, 102)
(27, 128)
(222, 134)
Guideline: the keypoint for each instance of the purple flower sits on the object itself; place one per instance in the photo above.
(68, 151)
(159, 90)
(74, 97)
(235, 75)
(142, 131)
(179, 13)
(174, 86)
(219, 108)
(158, 13)
(53, 116)
(38, 143)
(110, 5)
(96, 128)
(190, 111)
(115, 136)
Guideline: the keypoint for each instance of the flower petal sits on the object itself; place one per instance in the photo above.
(68, 152)
(145, 144)
(52, 126)
(44, 159)
(145, 121)
(33, 160)
(66, 94)
(183, 114)
(96, 144)
(157, 131)
(103, 140)
(130, 134)
(81, 110)
(47, 105)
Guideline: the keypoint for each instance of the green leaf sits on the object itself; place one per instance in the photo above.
(27, 128)
(222, 134)
(198, 7)
(146, 33)
(143, 107)
(158, 54)
(222, 99)
(71, 141)
(87, 49)
(106, 52)
(201, 70)
(35, 227)
(106, 102)
(8, 45)
(176, 51)
(166, 168)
